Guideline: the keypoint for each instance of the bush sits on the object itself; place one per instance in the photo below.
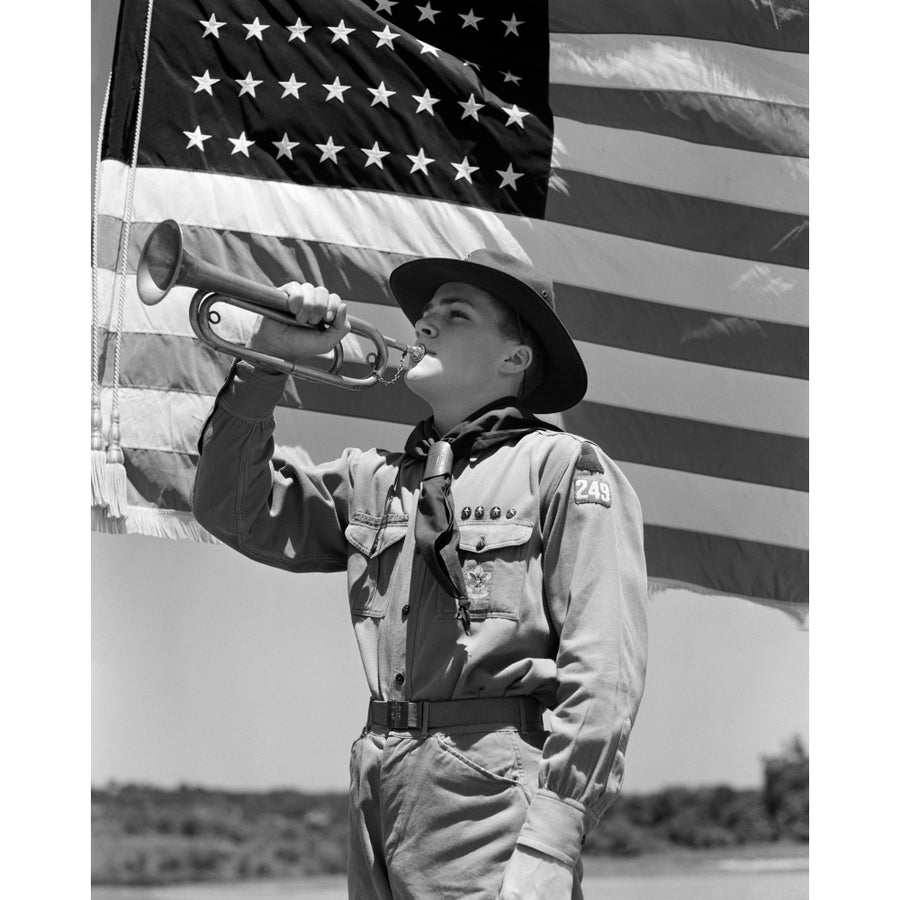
(691, 828)
(786, 791)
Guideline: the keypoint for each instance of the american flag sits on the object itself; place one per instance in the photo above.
(649, 155)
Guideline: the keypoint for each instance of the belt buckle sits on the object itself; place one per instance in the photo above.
(398, 714)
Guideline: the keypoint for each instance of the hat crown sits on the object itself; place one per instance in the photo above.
(516, 268)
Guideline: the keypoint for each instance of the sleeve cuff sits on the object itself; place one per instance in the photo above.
(556, 826)
(251, 393)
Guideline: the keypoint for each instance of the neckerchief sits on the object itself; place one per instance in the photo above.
(436, 531)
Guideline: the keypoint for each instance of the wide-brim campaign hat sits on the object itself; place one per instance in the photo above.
(521, 287)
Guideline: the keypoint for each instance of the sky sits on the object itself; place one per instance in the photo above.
(212, 669)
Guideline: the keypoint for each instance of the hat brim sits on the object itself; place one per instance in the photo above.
(565, 380)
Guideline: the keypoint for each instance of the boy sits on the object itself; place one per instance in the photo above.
(495, 570)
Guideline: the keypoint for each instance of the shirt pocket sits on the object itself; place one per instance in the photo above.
(375, 543)
(493, 560)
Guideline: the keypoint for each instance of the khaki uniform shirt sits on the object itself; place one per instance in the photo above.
(552, 555)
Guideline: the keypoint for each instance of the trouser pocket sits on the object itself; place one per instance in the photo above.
(460, 802)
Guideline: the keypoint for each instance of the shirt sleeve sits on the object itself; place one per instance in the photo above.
(282, 511)
(595, 585)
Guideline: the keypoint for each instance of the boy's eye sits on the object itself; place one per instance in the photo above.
(457, 312)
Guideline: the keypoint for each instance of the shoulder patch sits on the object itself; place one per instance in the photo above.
(591, 488)
(588, 486)
(589, 459)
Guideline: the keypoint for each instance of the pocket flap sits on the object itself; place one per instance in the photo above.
(483, 537)
(373, 534)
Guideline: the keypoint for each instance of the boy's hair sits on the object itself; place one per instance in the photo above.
(514, 328)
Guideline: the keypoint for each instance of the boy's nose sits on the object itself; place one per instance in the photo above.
(425, 328)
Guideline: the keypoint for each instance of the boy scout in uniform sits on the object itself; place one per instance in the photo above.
(495, 570)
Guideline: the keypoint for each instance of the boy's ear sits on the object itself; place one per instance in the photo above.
(518, 360)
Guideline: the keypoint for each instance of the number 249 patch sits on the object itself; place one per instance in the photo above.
(592, 490)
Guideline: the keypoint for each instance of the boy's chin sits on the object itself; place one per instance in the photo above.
(420, 383)
(429, 386)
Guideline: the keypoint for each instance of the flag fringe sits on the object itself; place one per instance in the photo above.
(159, 523)
(798, 612)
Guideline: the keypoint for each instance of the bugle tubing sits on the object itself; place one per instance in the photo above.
(165, 263)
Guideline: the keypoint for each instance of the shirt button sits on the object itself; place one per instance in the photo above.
(405, 610)
(480, 544)
(399, 678)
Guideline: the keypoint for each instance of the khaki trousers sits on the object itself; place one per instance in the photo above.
(436, 817)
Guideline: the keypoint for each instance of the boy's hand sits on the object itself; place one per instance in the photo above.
(312, 306)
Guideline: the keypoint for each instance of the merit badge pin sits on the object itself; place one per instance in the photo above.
(478, 577)
(592, 489)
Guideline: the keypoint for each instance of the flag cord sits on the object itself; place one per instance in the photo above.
(99, 492)
(115, 458)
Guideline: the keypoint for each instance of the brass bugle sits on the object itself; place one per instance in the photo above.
(165, 264)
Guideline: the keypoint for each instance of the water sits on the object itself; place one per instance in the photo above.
(719, 879)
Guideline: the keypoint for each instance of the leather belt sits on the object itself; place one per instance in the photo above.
(422, 715)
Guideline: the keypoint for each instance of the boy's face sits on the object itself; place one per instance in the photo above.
(460, 331)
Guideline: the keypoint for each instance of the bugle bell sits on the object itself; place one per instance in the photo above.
(165, 264)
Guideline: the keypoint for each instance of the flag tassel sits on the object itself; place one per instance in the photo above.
(99, 491)
(116, 480)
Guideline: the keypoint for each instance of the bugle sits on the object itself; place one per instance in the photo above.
(165, 264)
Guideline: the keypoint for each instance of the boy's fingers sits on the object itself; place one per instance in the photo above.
(332, 309)
(313, 305)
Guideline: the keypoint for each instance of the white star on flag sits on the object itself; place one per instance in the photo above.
(292, 87)
(515, 115)
(196, 138)
(336, 89)
(374, 156)
(470, 20)
(426, 102)
(386, 6)
(241, 145)
(420, 162)
(464, 170)
(386, 36)
(508, 178)
(329, 150)
(254, 29)
(508, 76)
(380, 95)
(298, 30)
(426, 12)
(470, 107)
(204, 82)
(512, 26)
(248, 85)
(427, 48)
(211, 26)
(340, 32)
(285, 147)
